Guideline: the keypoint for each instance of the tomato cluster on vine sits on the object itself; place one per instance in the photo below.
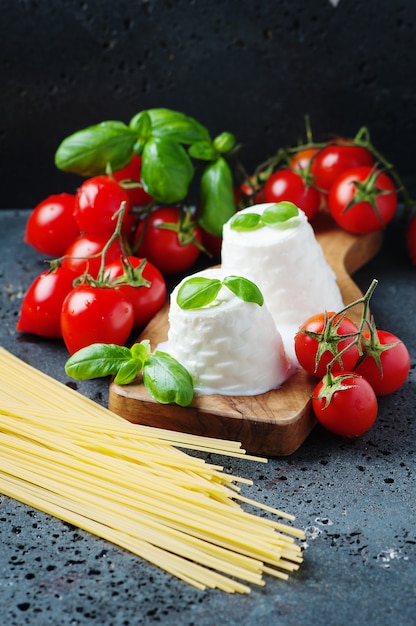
(111, 258)
(348, 178)
(354, 364)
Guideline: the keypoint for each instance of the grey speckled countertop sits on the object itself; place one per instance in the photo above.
(355, 500)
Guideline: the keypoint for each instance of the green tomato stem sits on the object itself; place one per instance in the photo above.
(365, 301)
(116, 235)
(362, 139)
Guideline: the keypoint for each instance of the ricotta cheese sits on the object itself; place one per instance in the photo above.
(229, 346)
(288, 266)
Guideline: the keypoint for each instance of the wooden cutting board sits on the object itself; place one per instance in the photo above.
(271, 424)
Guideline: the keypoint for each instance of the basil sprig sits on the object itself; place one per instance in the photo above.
(169, 142)
(200, 291)
(166, 380)
(217, 196)
(279, 215)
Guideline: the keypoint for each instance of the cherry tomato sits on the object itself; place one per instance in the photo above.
(251, 191)
(96, 204)
(301, 160)
(334, 159)
(411, 239)
(40, 311)
(51, 226)
(394, 362)
(319, 339)
(95, 315)
(83, 255)
(288, 185)
(358, 202)
(348, 407)
(171, 249)
(137, 195)
(147, 299)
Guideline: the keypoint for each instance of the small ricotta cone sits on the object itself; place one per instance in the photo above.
(229, 347)
(288, 266)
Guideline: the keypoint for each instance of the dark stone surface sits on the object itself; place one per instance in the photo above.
(354, 499)
(252, 68)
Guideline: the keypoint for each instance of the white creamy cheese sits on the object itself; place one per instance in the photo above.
(289, 267)
(230, 347)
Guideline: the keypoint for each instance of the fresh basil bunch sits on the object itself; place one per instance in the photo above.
(199, 291)
(166, 380)
(174, 148)
(279, 215)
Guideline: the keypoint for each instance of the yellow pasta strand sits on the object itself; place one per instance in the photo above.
(64, 454)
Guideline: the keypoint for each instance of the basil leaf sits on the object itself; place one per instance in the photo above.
(279, 213)
(127, 372)
(197, 292)
(138, 146)
(203, 150)
(224, 142)
(217, 197)
(176, 126)
(88, 152)
(97, 360)
(244, 289)
(166, 170)
(141, 350)
(246, 221)
(167, 381)
(141, 124)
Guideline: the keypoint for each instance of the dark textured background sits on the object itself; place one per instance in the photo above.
(253, 68)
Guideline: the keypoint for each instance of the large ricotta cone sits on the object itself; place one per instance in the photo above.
(289, 268)
(230, 347)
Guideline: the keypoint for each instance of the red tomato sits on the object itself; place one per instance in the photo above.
(287, 185)
(40, 311)
(95, 315)
(357, 201)
(252, 191)
(169, 249)
(96, 203)
(51, 226)
(147, 300)
(348, 407)
(411, 239)
(83, 255)
(334, 159)
(138, 196)
(301, 160)
(319, 340)
(394, 361)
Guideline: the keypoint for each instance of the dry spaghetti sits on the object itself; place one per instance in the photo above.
(62, 453)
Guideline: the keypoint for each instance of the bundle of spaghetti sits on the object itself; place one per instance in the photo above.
(66, 455)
